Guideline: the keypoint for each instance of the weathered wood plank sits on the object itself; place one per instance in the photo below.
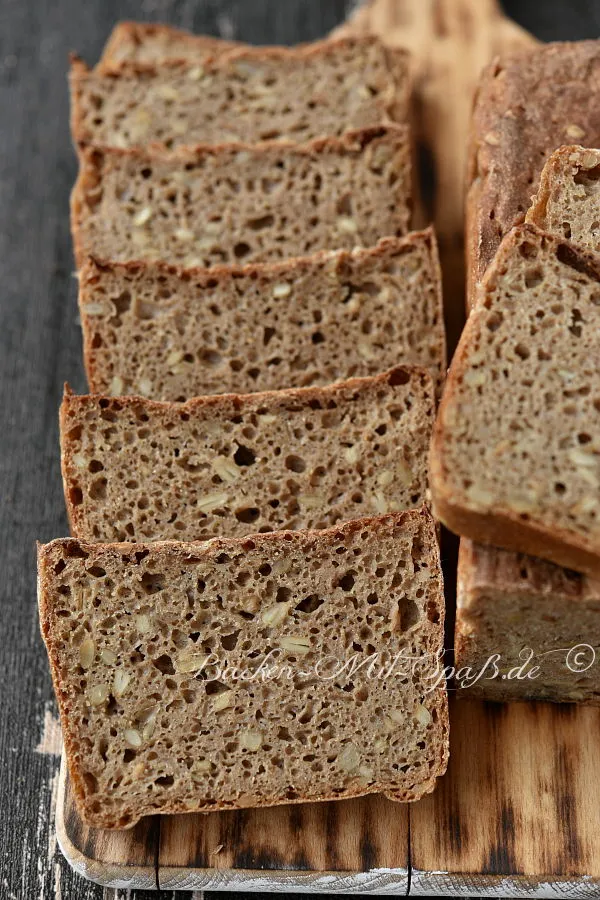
(518, 808)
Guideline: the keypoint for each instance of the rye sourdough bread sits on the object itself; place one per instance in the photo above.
(568, 198)
(533, 615)
(151, 42)
(137, 469)
(149, 644)
(234, 203)
(515, 458)
(526, 106)
(249, 95)
(173, 333)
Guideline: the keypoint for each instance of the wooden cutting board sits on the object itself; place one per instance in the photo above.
(517, 813)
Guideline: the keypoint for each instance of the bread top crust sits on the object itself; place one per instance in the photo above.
(526, 106)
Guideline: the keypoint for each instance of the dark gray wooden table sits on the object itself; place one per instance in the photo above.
(40, 349)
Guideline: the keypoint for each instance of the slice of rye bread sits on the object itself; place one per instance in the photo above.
(172, 334)
(568, 199)
(248, 95)
(512, 606)
(137, 469)
(222, 205)
(526, 106)
(149, 644)
(515, 459)
(150, 42)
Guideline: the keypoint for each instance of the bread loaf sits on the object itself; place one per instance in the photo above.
(515, 458)
(172, 334)
(149, 645)
(242, 203)
(248, 95)
(136, 469)
(526, 106)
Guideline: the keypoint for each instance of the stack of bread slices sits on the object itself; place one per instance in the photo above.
(515, 461)
(247, 481)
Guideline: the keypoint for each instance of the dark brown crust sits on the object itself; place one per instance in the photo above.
(92, 158)
(397, 61)
(137, 33)
(524, 108)
(270, 399)
(505, 527)
(276, 270)
(212, 548)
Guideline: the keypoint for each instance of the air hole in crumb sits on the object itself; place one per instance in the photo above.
(243, 456)
(153, 582)
(295, 463)
(164, 664)
(310, 603)
(248, 515)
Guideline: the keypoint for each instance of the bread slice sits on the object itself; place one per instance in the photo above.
(234, 203)
(252, 94)
(530, 628)
(137, 469)
(149, 646)
(172, 333)
(568, 198)
(151, 42)
(515, 458)
(527, 105)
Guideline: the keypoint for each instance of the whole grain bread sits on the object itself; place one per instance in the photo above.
(234, 203)
(531, 628)
(526, 106)
(149, 644)
(568, 199)
(515, 459)
(151, 42)
(173, 333)
(137, 469)
(250, 95)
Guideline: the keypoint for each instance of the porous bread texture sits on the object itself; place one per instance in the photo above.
(150, 726)
(508, 604)
(236, 202)
(248, 95)
(172, 334)
(150, 42)
(526, 106)
(568, 199)
(136, 469)
(515, 458)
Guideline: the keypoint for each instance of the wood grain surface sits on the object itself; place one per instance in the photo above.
(40, 348)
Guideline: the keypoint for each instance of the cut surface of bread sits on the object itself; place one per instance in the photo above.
(152, 650)
(248, 95)
(568, 199)
(527, 105)
(137, 469)
(172, 334)
(534, 623)
(151, 42)
(242, 203)
(515, 459)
